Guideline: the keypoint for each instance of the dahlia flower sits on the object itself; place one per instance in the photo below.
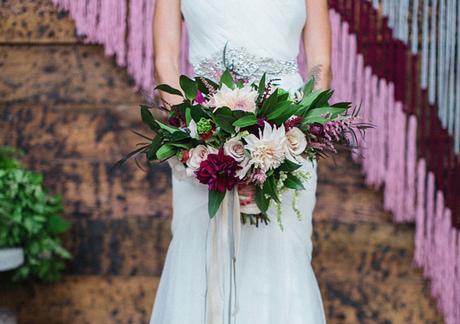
(268, 150)
(218, 172)
(236, 99)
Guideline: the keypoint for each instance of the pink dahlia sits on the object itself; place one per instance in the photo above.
(218, 171)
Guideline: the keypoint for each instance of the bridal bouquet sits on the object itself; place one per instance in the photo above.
(233, 134)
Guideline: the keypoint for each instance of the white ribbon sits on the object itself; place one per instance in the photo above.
(224, 243)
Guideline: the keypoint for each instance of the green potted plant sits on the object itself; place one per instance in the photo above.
(30, 223)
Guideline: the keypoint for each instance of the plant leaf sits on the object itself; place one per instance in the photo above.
(262, 85)
(148, 118)
(261, 201)
(215, 199)
(57, 224)
(227, 79)
(289, 166)
(166, 151)
(189, 86)
(270, 188)
(245, 121)
(168, 89)
(308, 88)
(292, 182)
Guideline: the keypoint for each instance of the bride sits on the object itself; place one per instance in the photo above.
(274, 281)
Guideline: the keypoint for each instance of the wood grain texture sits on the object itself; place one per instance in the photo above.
(85, 300)
(122, 299)
(37, 21)
(62, 74)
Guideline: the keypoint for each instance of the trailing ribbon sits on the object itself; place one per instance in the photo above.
(223, 243)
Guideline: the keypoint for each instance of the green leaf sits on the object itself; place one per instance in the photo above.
(178, 136)
(262, 85)
(227, 79)
(270, 188)
(247, 120)
(272, 100)
(188, 116)
(169, 129)
(148, 118)
(282, 111)
(315, 119)
(57, 224)
(223, 118)
(166, 151)
(326, 111)
(289, 166)
(310, 98)
(261, 201)
(198, 112)
(345, 105)
(308, 88)
(153, 148)
(292, 182)
(215, 199)
(202, 87)
(168, 89)
(189, 86)
(323, 99)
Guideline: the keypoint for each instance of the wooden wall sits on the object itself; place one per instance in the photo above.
(70, 109)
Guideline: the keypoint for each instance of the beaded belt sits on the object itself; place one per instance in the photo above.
(244, 65)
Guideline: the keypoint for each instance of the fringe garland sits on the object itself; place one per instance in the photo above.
(412, 152)
(389, 158)
(439, 21)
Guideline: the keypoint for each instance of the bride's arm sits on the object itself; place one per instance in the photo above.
(317, 40)
(167, 26)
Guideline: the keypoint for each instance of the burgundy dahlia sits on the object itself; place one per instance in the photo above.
(218, 172)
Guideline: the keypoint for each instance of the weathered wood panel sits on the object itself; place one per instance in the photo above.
(121, 299)
(37, 21)
(129, 246)
(349, 251)
(85, 300)
(343, 196)
(62, 74)
(368, 301)
(95, 189)
(71, 131)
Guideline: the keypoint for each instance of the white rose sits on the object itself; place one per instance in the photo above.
(197, 155)
(235, 149)
(296, 143)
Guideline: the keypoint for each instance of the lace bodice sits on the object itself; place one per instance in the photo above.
(267, 29)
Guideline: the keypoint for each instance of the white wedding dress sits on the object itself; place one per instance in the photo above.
(275, 283)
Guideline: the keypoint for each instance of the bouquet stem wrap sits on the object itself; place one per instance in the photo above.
(223, 243)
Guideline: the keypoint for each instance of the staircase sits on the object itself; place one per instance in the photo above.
(71, 108)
